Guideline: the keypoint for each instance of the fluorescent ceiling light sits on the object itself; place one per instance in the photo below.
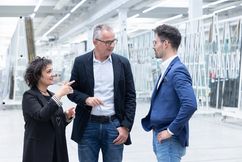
(67, 15)
(169, 3)
(170, 18)
(151, 8)
(214, 3)
(36, 9)
(224, 9)
(32, 15)
(37, 6)
(57, 24)
(78, 5)
(134, 16)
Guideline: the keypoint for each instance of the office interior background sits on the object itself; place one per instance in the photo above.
(62, 30)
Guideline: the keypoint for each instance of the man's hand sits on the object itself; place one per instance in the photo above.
(122, 137)
(163, 135)
(93, 101)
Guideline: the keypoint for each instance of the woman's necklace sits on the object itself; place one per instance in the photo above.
(44, 92)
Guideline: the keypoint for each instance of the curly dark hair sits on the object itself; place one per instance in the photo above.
(170, 33)
(34, 70)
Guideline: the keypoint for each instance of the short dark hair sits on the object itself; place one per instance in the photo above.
(169, 32)
(34, 70)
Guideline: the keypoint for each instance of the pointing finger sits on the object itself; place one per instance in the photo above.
(71, 82)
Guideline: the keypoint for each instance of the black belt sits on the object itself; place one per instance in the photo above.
(102, 119)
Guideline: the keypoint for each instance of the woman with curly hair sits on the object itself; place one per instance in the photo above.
(45, 120)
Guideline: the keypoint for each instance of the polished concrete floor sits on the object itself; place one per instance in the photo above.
(211, 139)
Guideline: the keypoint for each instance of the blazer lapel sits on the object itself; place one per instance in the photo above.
(155, 88)
(116, 71)
(167, 70)
(43, 101)
(54, 119)
(39, 95)
(89, 70)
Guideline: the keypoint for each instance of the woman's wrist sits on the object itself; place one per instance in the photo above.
(57, 100)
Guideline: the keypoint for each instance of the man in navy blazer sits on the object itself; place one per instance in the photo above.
(173, 101)
(106, 100)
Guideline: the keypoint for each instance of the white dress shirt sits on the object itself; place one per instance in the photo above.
(164, 65)
(103, 86)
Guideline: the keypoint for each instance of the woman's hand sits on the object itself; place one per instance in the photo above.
(64, 89)
(70, 113)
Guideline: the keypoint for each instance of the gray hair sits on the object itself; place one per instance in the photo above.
(97, 30)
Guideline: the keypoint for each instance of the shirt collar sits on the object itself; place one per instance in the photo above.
(166, 63)
(97, 61)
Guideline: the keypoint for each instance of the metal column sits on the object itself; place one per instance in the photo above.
(89, 38)
(123, 40)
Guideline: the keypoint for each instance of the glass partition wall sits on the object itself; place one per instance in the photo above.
(211, 50)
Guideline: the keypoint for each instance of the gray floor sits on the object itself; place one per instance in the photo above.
(211, 140)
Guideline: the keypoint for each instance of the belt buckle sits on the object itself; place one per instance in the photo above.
(101, 119)
(104, 119)
(107, 119)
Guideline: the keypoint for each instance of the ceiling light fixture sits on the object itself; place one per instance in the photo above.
(57, 24)
(78, 5)
(134, 16)
(224, 9)
(169, 19)
(36, 9)
(214, 3)
(156, 6)
(65, 17)
(37, 6)
(32, 15)
(151, 8)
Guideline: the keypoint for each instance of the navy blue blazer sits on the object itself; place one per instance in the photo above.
(124, 92)
(173, 103)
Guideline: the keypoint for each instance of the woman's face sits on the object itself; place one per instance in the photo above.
(47, 77)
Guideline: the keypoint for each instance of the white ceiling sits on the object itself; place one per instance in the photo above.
(93, 12)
